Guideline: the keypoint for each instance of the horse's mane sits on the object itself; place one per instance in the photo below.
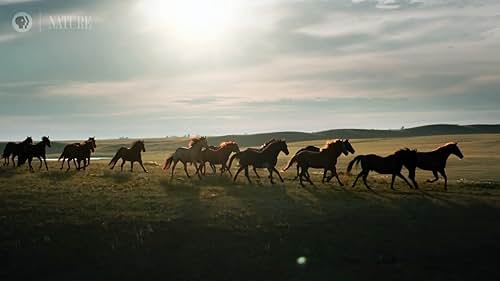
(226, 143)
(446, 145)
(405, 149)
(195, 140)
(267, 143)
(330, 143)
(137, 142)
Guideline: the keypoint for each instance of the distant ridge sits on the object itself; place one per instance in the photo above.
(428, 130)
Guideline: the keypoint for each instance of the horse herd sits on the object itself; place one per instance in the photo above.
(198, 153)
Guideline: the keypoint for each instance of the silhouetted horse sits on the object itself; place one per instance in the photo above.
(132, 154)
(265, 158)
(14, 149)
(190, 154)
(260, 148)
(391, 164)
(435, 161)
(77, 151)
(86, 160)
(219, 156)
(326, 159)
(311, 148)
(38, 151)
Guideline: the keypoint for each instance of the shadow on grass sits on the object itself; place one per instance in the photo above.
(58, 175)
(119, 177)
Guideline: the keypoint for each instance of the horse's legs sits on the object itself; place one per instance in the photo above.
(277, 172)
(131, 166)
(45, 161)
(197, 170)
(357, 178)
(298, 173)
(255, 171)
(301, 175)
(392, 181)
(13, 160)
(185, 169)
(140, 163)
(308, 178)
(436, 177)
(365, 175)
(62, 165)
(411, 175)
(214, 169)
(30, 159)
(334, 174)
(74, 163)
(271, 175)
(173, 168)
(69, 160)
(121, 166)
(237, 173)
(443, 173)
(41, 162)
(407, 182)
(324, 176)
(247, 175)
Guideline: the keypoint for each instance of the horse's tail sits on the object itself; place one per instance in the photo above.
(168, 162)
(290, 163)
(236, 155)
(356, 160)
(6, 153)
(116, 157)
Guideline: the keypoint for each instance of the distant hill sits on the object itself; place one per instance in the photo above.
(429, 130)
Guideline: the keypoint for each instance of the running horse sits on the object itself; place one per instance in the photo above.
(38, 150)
(333, 163)
(219, 156)
(132, 155)
(267, 158)
(435, 161)
(326, 159)
(391, 165)
(78, 151)
(190, 154)
(14, 149)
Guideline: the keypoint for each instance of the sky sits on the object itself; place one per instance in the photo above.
(158, 68)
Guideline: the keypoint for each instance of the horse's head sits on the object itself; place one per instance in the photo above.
(89, 145)
(92, 140)
(348, 146)
(28, 140)
(455, 150)
(283, 146)
(142, 146)
(199, 141)
(230, 145)
(46, 141)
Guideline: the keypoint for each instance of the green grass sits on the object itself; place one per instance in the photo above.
(108, 225)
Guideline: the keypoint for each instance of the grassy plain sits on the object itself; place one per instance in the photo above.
(109, 225)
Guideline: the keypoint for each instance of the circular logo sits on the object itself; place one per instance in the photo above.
(22, 22)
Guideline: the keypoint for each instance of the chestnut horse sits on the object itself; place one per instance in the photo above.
(267, 158)
(218, 156)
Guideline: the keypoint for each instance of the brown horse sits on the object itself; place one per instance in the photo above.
(190, 154)
(38, 151)
(326, 159)
(77, 151)
(132, 154)
(391, 164)
(219, 156)
(260, 148)
(14, 149)
(435, 161)
(267, 158)
(311, 148)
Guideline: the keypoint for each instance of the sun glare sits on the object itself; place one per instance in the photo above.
(190, 21)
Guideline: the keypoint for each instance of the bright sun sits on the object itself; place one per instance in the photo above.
(190, 21)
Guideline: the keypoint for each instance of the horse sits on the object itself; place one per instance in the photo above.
(132, 154)
(190, 154)
(326, 158)
(391, 164)
(38, 151)
(78, 151)
(312, 148)
(260, 148)
(435, 161)
(266, 158)
(14, 149)
(219, 156)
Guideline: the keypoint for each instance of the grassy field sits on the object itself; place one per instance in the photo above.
(107, 225)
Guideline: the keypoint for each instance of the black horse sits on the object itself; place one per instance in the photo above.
(77, 151)
(391, 164)
(38, 151)
(132, 155)
(14, 149)
(267, 158)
